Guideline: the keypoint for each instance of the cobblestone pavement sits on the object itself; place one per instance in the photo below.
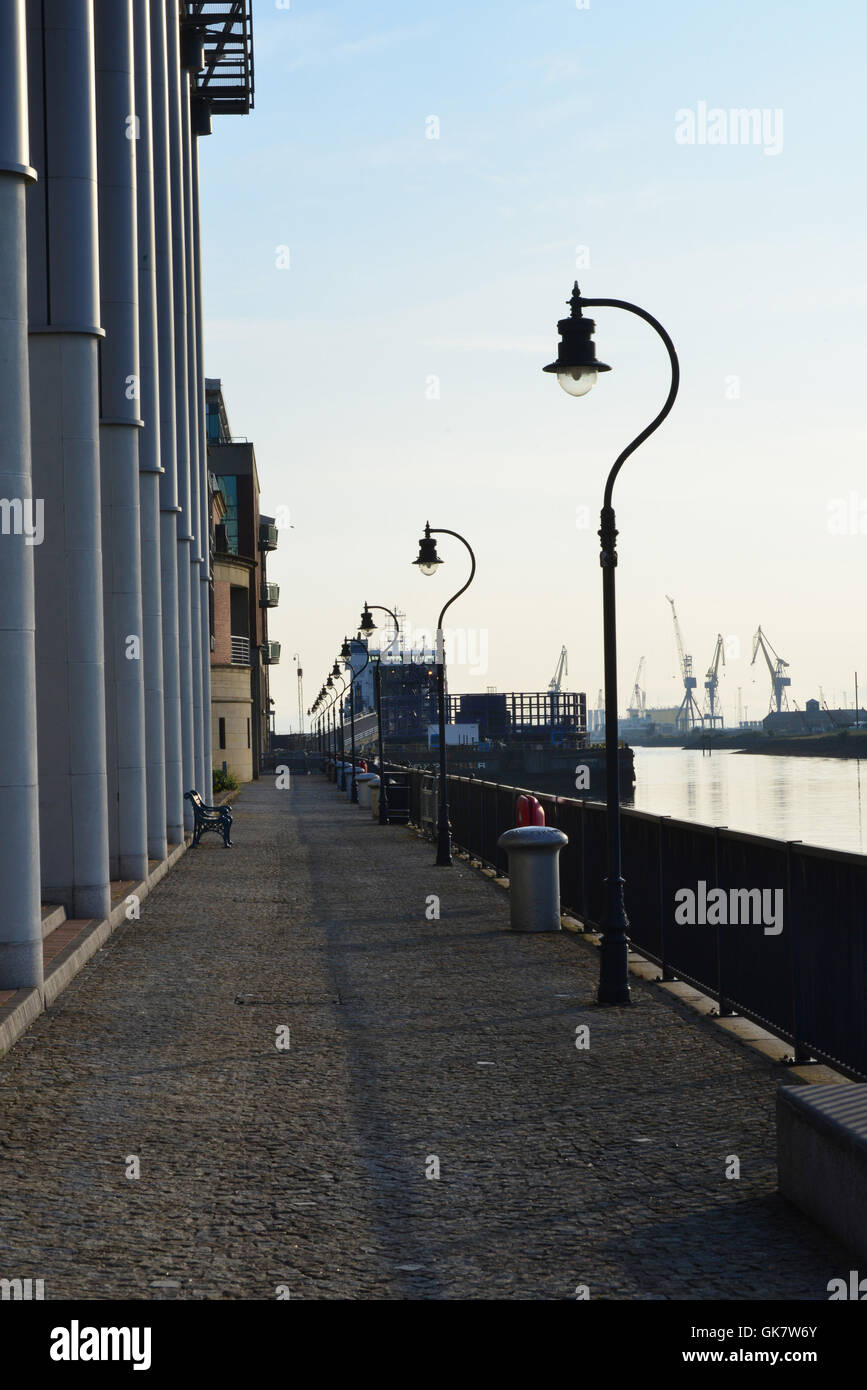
(408, 1038)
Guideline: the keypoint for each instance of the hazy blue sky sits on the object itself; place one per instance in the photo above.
(419, 263)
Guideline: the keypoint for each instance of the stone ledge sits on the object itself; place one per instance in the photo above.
(822, 1157)
(17, 1015)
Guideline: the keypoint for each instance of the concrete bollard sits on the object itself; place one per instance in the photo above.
(362, 782)
(534, 876)
(374, 795)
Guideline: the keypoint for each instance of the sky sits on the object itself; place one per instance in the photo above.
(389, 241)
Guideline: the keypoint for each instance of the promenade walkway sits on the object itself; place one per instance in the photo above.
(410, 1040)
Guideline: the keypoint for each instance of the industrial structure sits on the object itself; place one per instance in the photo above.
(712, 713)
(105, 565)
(637, 709)
(777, 667)
(689, 713)
(521, 716)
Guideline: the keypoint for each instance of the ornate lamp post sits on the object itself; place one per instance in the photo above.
(367, 626)
(577, 368)
(336, 675)
(346, 655)
(428, 561)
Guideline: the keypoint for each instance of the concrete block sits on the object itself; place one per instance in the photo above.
(822, 1157)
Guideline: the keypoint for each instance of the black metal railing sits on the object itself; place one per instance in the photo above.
(806, 983)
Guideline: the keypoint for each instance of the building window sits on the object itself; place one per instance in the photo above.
(222, 733)
(229, 488)
(248, 733)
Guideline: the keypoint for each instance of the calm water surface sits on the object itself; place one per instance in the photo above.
(817, 800)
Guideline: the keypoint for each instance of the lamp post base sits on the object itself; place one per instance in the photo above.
(444, 843)
(614, 950)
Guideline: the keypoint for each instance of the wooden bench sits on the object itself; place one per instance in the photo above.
(216, 818)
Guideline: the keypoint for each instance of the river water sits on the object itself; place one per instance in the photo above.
(818, 800)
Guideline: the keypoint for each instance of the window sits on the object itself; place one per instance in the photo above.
(248, 733)
(222, 733)
(229, 489)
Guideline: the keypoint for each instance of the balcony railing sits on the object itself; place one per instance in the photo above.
(240, 650)
(271, 654)
(267, 536)
(270, 595)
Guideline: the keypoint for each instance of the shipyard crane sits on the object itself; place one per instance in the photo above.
(638, 708)
(562, 670)
(712, 711)
(777, 667)
(689, 713)
(554, 686)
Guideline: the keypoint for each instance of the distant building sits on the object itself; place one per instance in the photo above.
(241, 651)
(813, 719)
(457, 735)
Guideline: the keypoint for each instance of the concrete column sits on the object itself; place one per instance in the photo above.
(150, 467)
(20, 916)
(120, 422)
(177, 84)
(63, 286)
(205, 575)
(168, 482)
(197, 557)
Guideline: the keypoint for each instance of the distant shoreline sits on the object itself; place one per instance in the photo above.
(846, 743)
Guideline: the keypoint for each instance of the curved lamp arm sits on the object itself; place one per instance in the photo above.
(355, 674)
(340, 694)
(675, 382)
(380, 608)
(443, 531)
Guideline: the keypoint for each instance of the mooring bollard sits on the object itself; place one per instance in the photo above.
(363, 782)
(534, 876)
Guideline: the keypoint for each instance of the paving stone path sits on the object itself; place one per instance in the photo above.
(412, 1044)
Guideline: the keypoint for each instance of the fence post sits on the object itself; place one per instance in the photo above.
(801, 1053)
(584, 861)
(667, 972)
(724, 1008)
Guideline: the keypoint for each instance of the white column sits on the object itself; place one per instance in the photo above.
(120, 422)
(169, 507)
(205, 575)
(150, 467)
(20, 916)
(63, 284)
(182, 410)
(203, 764)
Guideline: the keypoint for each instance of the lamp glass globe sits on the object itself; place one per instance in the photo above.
(577, 381)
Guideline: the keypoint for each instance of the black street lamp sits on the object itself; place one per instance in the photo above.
(427, 561)
(367, 626)
(338, 699)
(576, 369)
(346, 655)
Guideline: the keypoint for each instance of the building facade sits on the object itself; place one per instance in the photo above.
(105, 572)
(241, 652)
